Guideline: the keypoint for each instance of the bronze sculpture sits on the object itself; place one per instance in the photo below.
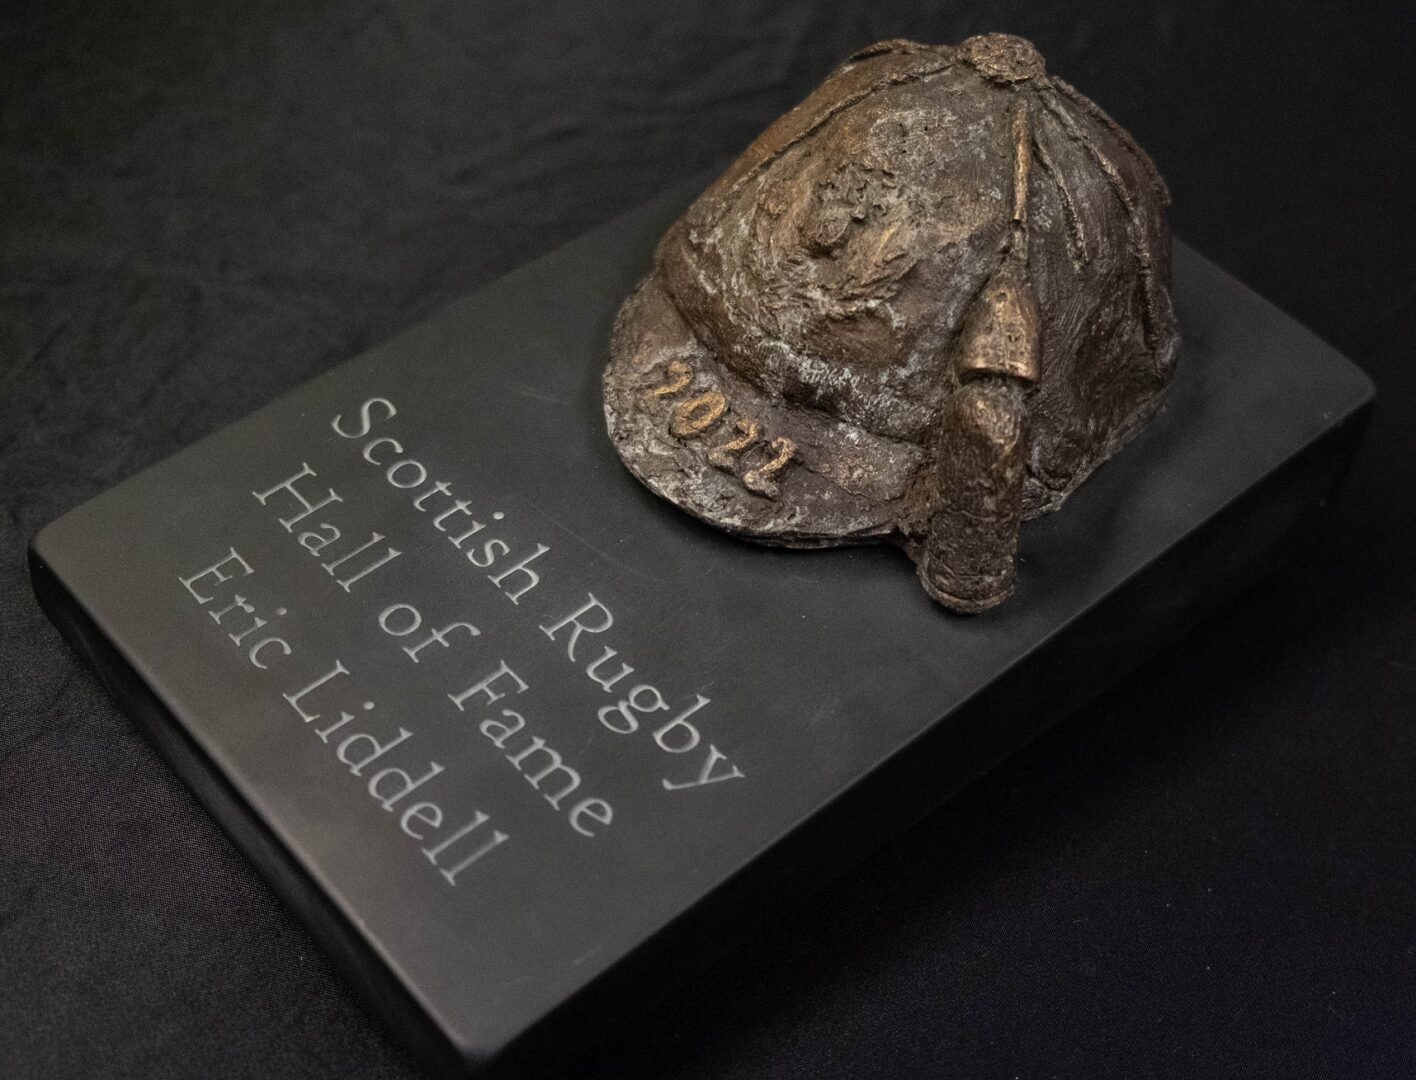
(921, 307)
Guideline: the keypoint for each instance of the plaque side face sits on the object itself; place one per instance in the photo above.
(510, 717)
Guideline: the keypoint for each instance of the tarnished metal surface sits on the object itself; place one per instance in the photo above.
(921, 307)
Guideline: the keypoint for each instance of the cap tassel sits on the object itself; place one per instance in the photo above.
(969, 560)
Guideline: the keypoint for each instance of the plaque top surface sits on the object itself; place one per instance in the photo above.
(512, 714)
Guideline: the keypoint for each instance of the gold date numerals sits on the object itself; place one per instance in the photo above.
(725, 455)
(677, 376)
(694, 416)
(760, 479)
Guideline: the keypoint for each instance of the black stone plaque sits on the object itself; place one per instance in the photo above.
(523, 743)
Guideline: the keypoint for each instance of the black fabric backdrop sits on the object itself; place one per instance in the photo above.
(1209, 872)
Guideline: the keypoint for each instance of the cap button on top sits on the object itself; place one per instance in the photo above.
(1003, 58)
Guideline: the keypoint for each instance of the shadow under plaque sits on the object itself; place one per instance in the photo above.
(509, 837)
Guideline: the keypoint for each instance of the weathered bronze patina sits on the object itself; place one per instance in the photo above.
(921, 307)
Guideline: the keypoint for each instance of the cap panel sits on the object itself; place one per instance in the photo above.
(837, 276)
(886, 63)
(1097, 224)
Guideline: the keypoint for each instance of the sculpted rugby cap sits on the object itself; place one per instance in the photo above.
(921, 307)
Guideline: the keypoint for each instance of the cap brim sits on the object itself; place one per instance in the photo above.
(842, 483)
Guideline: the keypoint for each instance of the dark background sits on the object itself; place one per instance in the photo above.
(1209, 872)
